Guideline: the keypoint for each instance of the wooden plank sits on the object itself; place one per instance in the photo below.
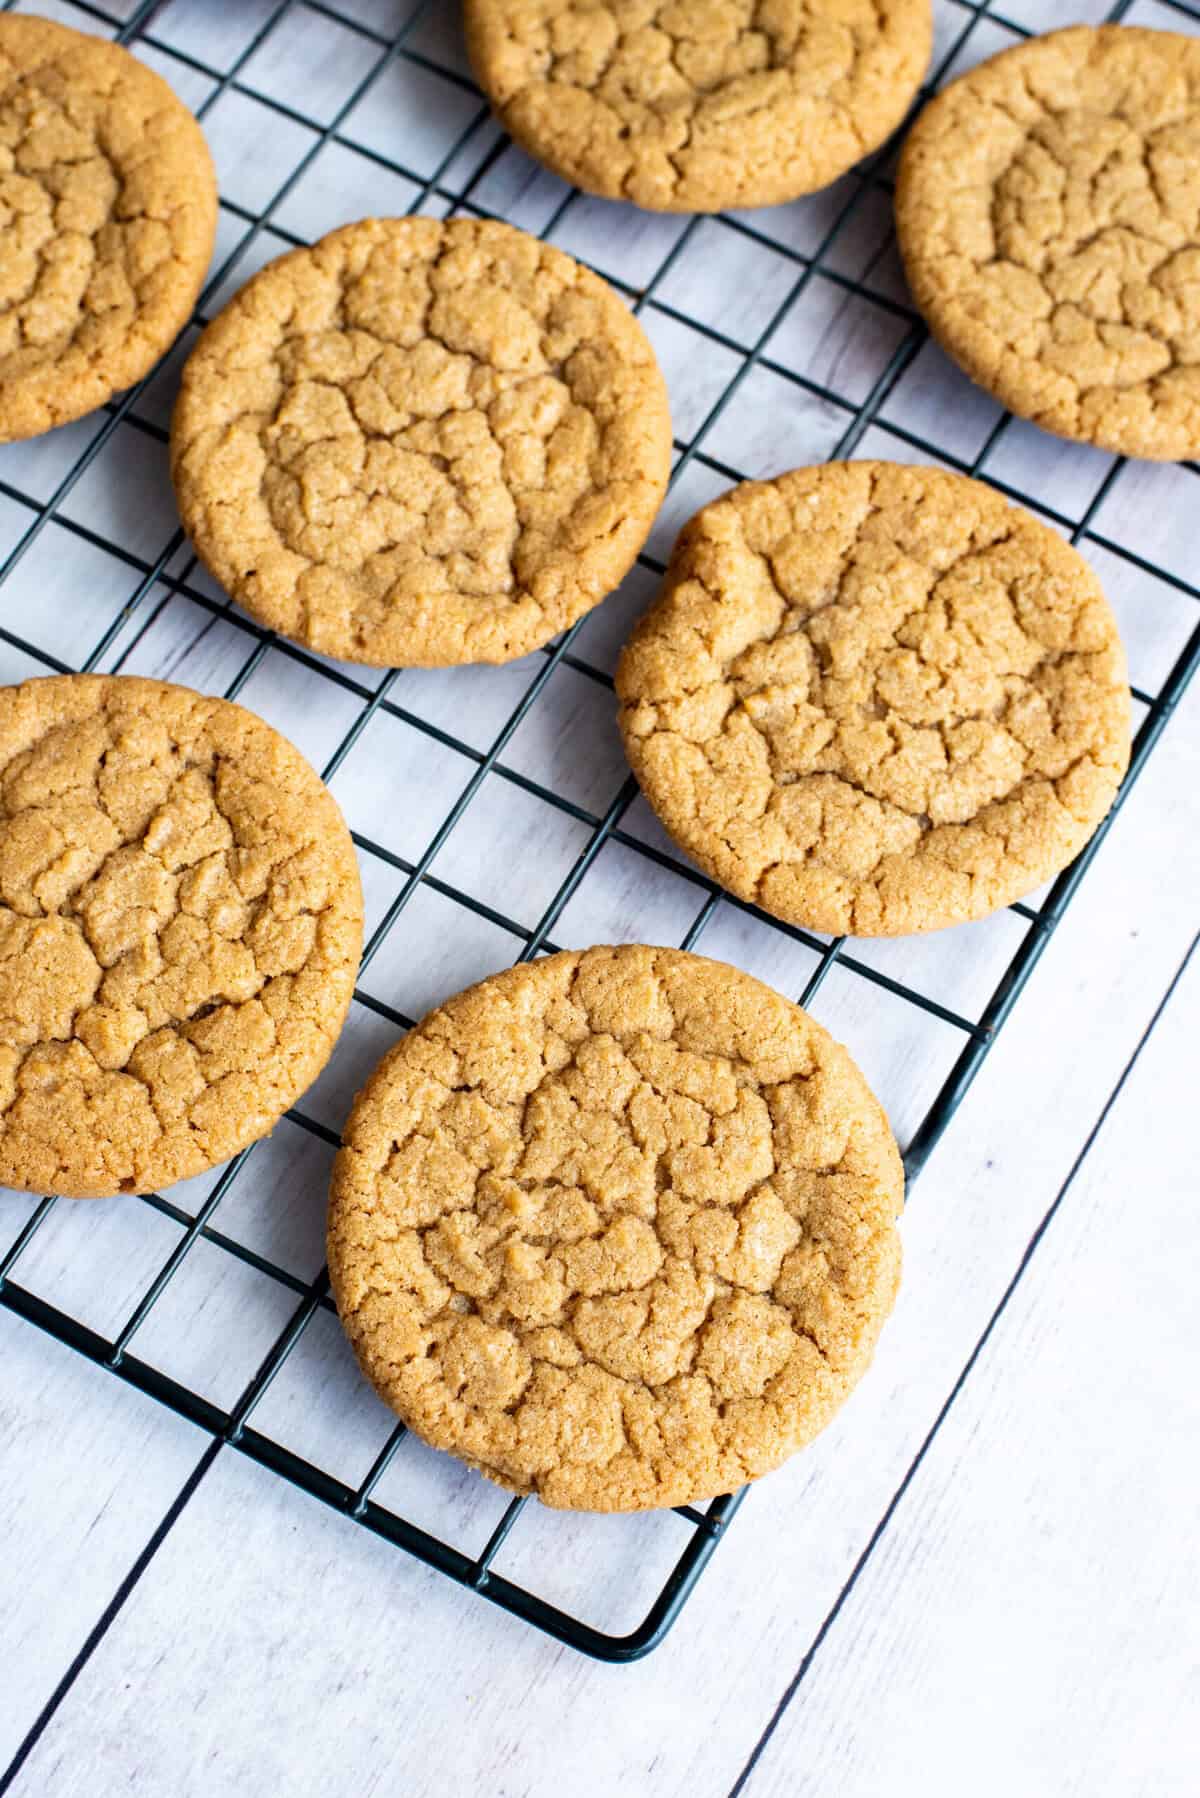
(1029, 1623)
(87, 1469)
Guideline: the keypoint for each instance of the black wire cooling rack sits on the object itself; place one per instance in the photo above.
(386, 31)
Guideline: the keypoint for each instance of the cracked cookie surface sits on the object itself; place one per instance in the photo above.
(617, 1227)
(876, 699)
(180, 925)
(1048, 212)
(421, 443)
(697, 105)
(108, 209)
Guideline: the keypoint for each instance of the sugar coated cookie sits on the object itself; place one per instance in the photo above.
(108, 207)
(617, 1227)
(697, 105)
(1048, 211)
(876, 699)
(421, 443)
(180, 925)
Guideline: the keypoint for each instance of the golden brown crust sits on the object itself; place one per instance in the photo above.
(876, 699)
(108, 209)
(180, 926)
(692, 108)
(421, 443)
(617, 1227)
(1048, 211)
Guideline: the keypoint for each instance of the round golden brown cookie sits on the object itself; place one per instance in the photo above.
(108, 207)
(1048, 211)
(876, 699)
(686, 107)
(617, 1227)
(180, 924)
(421, 443)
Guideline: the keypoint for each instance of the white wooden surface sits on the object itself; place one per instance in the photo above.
(1012, 1531)
(1046, 1641)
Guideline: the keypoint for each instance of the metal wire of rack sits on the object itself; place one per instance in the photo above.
(455, 184)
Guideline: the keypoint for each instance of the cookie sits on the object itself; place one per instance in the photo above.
(876, 699)
(180, 925)
(421, 443)
(1047, 210)
(616, 1227)
(108, 209)
(682, 107)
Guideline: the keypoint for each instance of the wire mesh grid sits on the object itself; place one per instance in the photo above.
(321, 112)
